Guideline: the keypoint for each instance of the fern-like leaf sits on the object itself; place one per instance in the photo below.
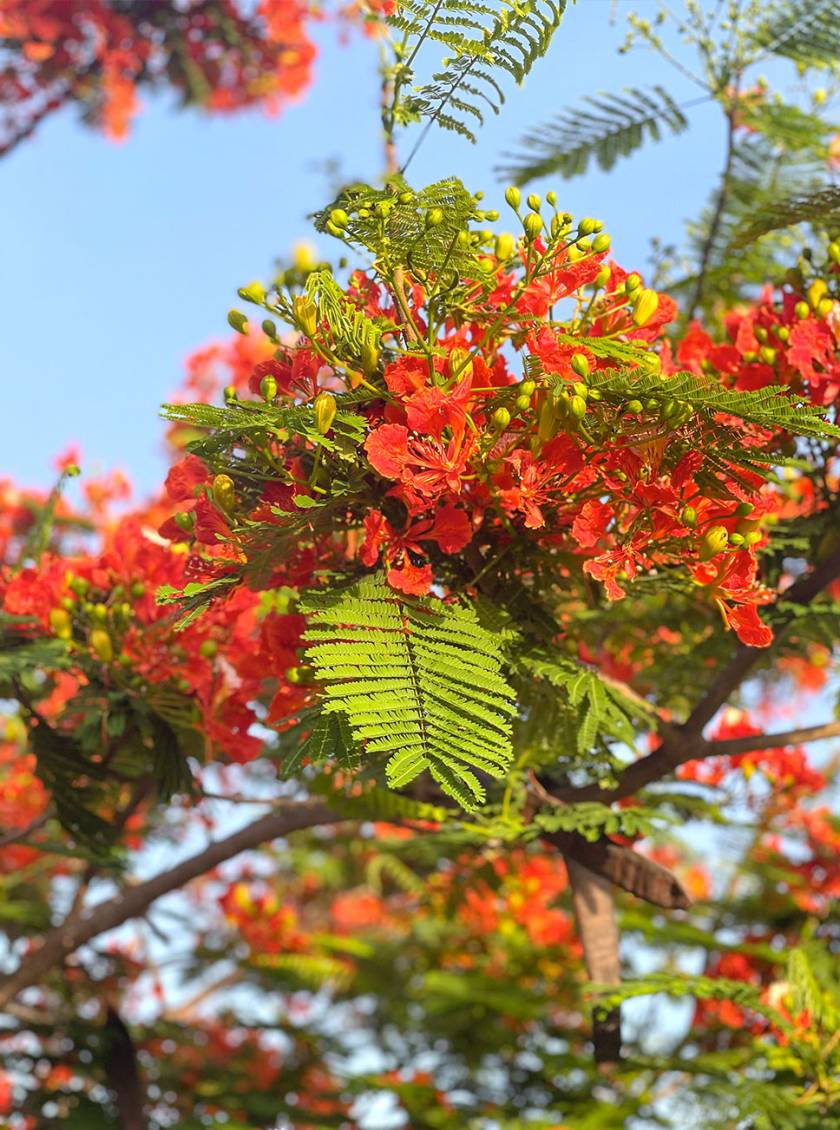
(611, 127)
(820, 208)
(805, 31)
(419, 681)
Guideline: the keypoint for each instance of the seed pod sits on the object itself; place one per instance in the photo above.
(224, 492)
(645, 306)
(714, 542)
(578, 407)
(237, 321)
(505, 246)
(533, 225)
(253, 292)
(522, 403)
(61, 623)
(634, 406)
(601, 242)
(580, 365)
(305, 314)
(339, 218)
(513, 196)
(100, 641)
(500, 419)
(802, 310)
(533, 201)
(268, 388)
(688, 517)
(325, 409)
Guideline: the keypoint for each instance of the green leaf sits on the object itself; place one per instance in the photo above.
(418, 680)
(612, 127)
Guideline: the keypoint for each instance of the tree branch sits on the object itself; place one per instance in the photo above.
(106, 915)
(772, 741)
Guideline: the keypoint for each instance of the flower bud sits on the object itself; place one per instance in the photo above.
(405, 197)
(61, 623)
(522, 403)
(768, 354)
(253, 292)
(578, 407)
(816, 291)
(78, 585)
(505, 246)
(601, 242)
(208, 649)
(500, 419)
(632, 282)
(513, 196)
(269, 329)
(185, 520)
(100, 612)
(825, 306)
(783, 334)
(527, 388)
(580, 389)
(268, 388)
(369, 355)
(736, 539)
(714, 542)
(305, 314)
(492, 215)
(434, 217)
(743, 509)
(603, 277)
(752, 537)
(551, 198)
(224, 492)
(533, 225)
(587, 225)
(584, 244)
(237, 321)
(100, 641)
(325, 410)
(339, 218)
(645, 306)
(802, 310)
(463, 240)
(533, 201)
(547, 420)
(634, 406)
(688, 516)
(580, 365)
(834, 251)
(230, 394)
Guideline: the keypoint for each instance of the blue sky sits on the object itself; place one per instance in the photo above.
(117, 261)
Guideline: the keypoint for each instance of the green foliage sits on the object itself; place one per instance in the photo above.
(593, 820)
(482, 38)
(770, 407)
(819, 208)
(615, 126)
(804, 31)
(352, 331)
(418, 680)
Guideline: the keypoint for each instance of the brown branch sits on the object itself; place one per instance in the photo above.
(772, 741)
(687, 743)
(131, 903)
(598, 929)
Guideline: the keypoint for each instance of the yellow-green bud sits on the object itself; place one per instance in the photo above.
(587, 225)
(578, 407)
(224, 492)
(752, 537)
(230, 394)
(61, 623)
(635, 406)
(802, 310)
(325, 409)
(533, 201)
(783, 334)
(492, 215)
(816, 291)
(253, 292)
(100, 641)
(185, 520)
(645, 306)
(580, 390)
(689, 516)
(513, 196)
(834, 251)
(584, 244)
(522, 403)
(527, 388)
(305, 314)
(533, 225)
(743, 509)
(768, 354)
(825, 306)
(736, 539)
(237, 321)
(714, 542)
(580, 365)
(551, 198)
(505, 246)
(632, 282)
(434, 217)
(370, 358)
(100, 612)
(501, 419)
(268, 388)
(602, 278)
(78, 585)
(601, 242)
(339, 218)
(269, 329)
(208, 648)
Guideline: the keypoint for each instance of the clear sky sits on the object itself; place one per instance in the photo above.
(119, 260)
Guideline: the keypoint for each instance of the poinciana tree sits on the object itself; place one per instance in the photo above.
(483, 621)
